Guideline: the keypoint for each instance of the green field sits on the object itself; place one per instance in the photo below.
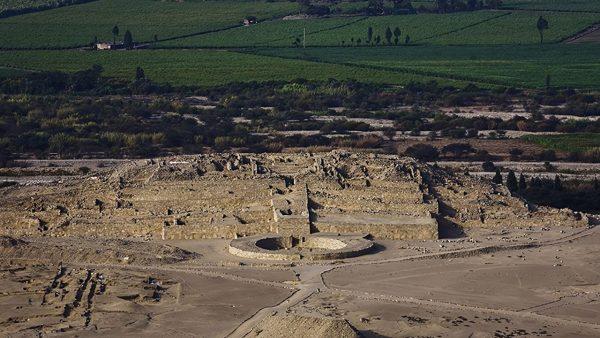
(200, 67)
(22, 4)
(520, 28)
(78, 25)
(331, 32)
(271, 33)
(563, 5)
(488, 47)
(481, 27)
(9, 72)
(583, 142)
(527, 66)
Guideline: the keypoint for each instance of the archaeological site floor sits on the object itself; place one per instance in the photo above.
(145, 250)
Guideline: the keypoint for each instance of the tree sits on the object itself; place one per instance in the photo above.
(139, 74)
(442, 5)
(542, 25)
(5, 156)
(488, 166)
(423, 152)
(557, 183)
(511, 181)
(497, 177)
(369, 34)
(128, 40)
(115, 32)
(389, 133)
(375, 7)
(388, 35)
(522, 182)
(494, 4)
(515, 153)
(458, 149)
(397, 34)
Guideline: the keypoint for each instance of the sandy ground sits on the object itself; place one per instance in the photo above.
(501, 282)
(553, 288)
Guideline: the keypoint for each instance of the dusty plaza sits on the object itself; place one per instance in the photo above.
(336, 244)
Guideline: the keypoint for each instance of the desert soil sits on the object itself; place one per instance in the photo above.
(498, 282)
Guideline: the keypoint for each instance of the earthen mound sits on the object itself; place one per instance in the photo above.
(103, 251)
(292, 325)
(9, 242)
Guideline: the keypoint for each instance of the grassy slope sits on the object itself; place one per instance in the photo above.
(568, 65)
(569, 142)
(77, 25)
(193, 67)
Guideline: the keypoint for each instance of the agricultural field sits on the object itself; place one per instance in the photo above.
(201, 68)
(337, 31)
(480, 27)
(527, 66)
(488, 47)
(19, 5)
(519, 27)
(473, 28)
(562, 5)
(78, 25)
(270, 33)
(578, 143)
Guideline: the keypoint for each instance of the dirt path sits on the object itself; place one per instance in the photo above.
(312, 281)
(590, 34)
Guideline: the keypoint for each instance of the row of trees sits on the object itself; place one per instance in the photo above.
(448, 6)
(579, 195)
(35, 6)
(392, 37)
(396, 7)
(396, 34)
(127, 37)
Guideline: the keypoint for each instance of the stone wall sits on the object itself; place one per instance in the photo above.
(231, 195)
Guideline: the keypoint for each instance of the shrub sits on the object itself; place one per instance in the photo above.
(488, 166)
(423, 152)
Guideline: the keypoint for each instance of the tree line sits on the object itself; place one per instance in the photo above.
(8, 12)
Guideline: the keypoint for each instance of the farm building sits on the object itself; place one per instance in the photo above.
(250, 20)
(109, 46)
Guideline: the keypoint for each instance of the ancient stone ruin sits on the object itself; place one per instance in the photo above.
(275, 206)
